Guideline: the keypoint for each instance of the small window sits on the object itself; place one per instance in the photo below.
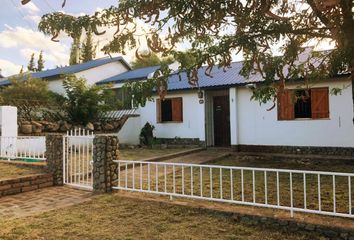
(169, 110)
(302, 104)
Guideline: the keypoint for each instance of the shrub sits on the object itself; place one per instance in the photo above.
(84, 103)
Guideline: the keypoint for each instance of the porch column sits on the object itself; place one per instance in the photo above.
(233, 117)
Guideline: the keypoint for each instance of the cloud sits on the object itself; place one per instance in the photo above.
(26, 41)
(30, 8)
(9, 68)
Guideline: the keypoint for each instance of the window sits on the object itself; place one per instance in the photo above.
(124, 98)
(312, 103)
(169, 110)
(302, 104)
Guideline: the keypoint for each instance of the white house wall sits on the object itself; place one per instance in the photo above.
(257, 126)
(92, 75)
(130, 132)
(193, 125)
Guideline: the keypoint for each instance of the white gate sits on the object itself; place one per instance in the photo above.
(77, 158)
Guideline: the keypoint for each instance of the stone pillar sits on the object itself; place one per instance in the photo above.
(54, 155)
(105, 150)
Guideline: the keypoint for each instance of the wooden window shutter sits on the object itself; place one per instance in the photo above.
(286, 105)
(158, 111)
(177, 110)
(320, 102)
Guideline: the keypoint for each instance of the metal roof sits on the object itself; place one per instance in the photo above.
(71, 69)
(219, 78)
(136, 74)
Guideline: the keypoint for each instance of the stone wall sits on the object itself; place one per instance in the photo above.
(42, 127)
(25, 184)
(181, 141)
(105, 150)
(340, 151)
(54, 155)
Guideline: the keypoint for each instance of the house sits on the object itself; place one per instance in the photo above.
(93, 71)
(221, 113)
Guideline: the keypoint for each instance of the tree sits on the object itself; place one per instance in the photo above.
(75, 52)
(150, 59)
(27, 95)
(31, 67)
(84, 103)
(40, 62)
(88, 51)
(216, 30)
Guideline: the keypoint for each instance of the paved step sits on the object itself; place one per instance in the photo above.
(34, 202)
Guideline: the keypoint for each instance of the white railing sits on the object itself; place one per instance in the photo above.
(77, 158)
(22, 147)
(327, 193)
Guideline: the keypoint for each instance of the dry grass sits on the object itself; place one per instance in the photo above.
(13, 171)
(115, 217)
(232, 187)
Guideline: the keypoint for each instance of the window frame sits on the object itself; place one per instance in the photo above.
(286, 104)
(176, 110)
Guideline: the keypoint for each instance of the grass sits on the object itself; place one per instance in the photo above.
(13, 171)
(232, 187)
(145, 153)
(116, 217)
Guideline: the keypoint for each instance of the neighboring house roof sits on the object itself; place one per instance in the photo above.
(71, 69)
(136, 74)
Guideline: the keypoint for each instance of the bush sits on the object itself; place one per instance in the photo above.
(30, 95)
(147, 135)
(84, 103)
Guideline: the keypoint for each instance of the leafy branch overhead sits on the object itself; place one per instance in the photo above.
(217, 30)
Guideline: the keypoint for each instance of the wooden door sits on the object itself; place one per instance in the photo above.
(221, 107)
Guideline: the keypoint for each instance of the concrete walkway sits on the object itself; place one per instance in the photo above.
(42, 200)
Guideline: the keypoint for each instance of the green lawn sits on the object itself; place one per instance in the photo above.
(116, 217)
(14, 171)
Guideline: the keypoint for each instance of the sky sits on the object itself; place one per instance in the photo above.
(19, 36)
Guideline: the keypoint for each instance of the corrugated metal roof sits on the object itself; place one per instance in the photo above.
(136, 74)
(219, 78)
(71, 69)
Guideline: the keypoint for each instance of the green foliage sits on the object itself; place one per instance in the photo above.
(31, 89)
(88, 51)
(264, 93)
(142, 91)
(74, 52)
(40, 62)
(31, 67)
(84, 103)
(147, 134)
(150, 60)
(28, 95)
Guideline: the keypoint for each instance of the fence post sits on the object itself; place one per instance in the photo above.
(54, 155)
(105, 150)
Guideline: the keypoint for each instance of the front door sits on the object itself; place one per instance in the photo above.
(221, 121)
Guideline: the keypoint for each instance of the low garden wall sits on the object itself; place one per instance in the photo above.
(25, 184)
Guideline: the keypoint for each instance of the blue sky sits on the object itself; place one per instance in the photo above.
(19, 36)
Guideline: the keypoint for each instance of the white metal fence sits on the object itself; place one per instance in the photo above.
(22, 147)
(327, 193)
(77, 158)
